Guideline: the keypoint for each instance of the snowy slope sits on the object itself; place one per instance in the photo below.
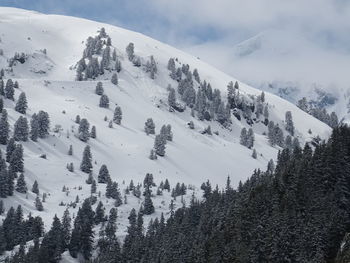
(49, 83)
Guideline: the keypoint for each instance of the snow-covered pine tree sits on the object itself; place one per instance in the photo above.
(34, 127)
(21, 129)
(114, 79)
(9, 90)
(117, 116)
(21, 105)
(99, 88)
(289, 123)
(86, 163)
(130, 51)
(35, 187)
(171, 97)
(21, 186)
(103, 175)
(104, 101)
(149, 126)
(93, 132)
(83, 130)
(4, 128)
(70, 150)
(250, 138)
(43, 124)
(38, 204)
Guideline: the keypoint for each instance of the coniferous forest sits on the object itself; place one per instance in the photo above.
(295, 212)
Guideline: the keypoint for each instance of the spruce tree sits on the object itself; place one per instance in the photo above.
(86, 163)
(103, 175)
(104, 101)
(114, 79)
(130, 51)
(34, 128)
(21, 129)
(70, 150)
(66, 228)
(35, 188)
(99, 88)
(43, 124)
(83, 130)
(9, 90)
(289, 123)
(93, 132)
(4, 128)
(117, 117)
(21, 105)
(38, 204)
(11, 146)
(149, 126)
(21, 185)
(16, 159)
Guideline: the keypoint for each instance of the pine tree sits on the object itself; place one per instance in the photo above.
(21, 129)
(244, 137)
(250, 138)
(83, 130)
(34, 128)
(43, 123)
(103, 175)
(38, 204)
(70, 151)
(77, 119)
(159, 145)
(114, 79)
(117, 117)
(254, 154)
(104, 101)
(10, 148)
(2, 85)
(93, 132)
(149, 126)
(153, 155)
(35, 188)
(66, 228)
(99, 88)
(93, 187)
(82, 234)
(9, 90)
(130, 51)
(99, 214)
(21, 186)
(16, 159)
(171, 97)
(4, 128)
(289, 123)
(148, 207)
(1, 105)
(22, 105)
(86, 163)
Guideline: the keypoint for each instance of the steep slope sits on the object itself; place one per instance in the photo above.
(48, 79)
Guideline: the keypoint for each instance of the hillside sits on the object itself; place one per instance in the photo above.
(53, 45)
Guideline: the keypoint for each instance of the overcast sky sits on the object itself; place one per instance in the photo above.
(211, 29)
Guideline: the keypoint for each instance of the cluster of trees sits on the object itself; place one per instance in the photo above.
(319, 113)
(79, 239)
(89, 66)
(160, 140)
(16, 230)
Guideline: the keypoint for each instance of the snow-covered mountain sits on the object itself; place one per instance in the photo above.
(52, 45)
